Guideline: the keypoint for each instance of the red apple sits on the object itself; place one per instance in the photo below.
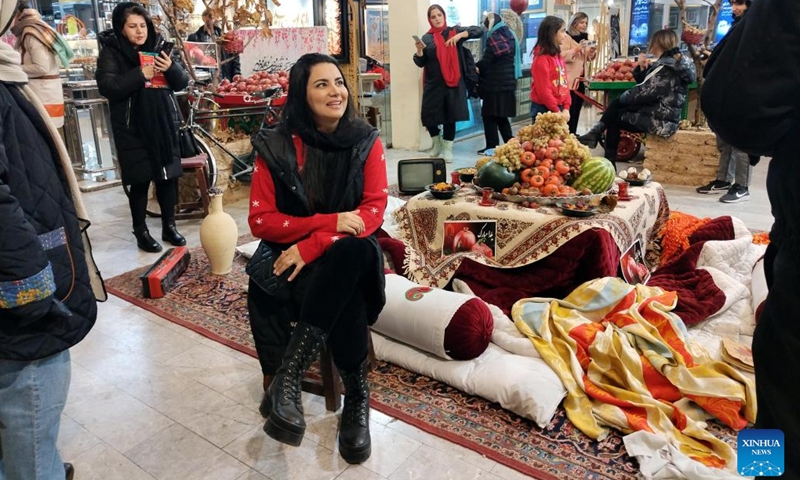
(527, 146)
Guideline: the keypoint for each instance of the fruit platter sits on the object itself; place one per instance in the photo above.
(545, 164)
(637, 178)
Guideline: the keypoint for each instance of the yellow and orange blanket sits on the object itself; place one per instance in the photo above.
(627, 363)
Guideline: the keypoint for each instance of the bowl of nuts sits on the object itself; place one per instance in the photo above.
(467, 174)
(442, 190)
(577, 209)
(635, 177)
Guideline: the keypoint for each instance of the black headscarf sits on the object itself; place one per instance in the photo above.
(327, 169)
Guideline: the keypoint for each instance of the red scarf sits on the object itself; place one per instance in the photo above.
(447, 56)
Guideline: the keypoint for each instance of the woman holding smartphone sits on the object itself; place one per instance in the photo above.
(577, 50)
(444, 94)
(145, 120)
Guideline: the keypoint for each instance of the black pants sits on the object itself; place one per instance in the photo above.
(575, 108)
(490, 127)
(449, 131)
(612, 118)
(776, 341)
(167, 194)
(328, 295)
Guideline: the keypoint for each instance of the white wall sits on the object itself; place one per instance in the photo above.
(406, 18)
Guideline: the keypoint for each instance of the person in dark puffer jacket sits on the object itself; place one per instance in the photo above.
(498, 69)
(751, 98)
(49, 285)
(145, 121)
(654, 105)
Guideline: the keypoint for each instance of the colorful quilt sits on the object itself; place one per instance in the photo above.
(627, 363)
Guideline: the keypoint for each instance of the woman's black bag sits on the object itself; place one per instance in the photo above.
(189, 146)
(469, 72)
(261, 271)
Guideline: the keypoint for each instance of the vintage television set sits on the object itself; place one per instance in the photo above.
(413, 174)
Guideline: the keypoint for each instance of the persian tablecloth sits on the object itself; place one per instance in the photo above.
(522, 236)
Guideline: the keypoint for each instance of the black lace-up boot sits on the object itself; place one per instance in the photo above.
(354, 440)
(169, 233)
(591, 137)
(266, 405)
(286, 423)
(144, 240)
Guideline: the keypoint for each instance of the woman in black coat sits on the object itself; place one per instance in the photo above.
(751, 100)
(145, 120)
(498, 69)
(444, 94)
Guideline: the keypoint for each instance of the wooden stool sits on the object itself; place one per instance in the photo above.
(330, 385)
(196, 165)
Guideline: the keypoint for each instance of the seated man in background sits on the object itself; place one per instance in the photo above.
(209, 32)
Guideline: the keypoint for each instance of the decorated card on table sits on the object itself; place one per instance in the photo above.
(470, 236)
(158, 80)
(633, 266)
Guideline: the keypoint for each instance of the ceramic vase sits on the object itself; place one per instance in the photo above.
(218, 235)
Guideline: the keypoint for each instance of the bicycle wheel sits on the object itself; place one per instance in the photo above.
(629, 146)
(211, 161)
(153, 208)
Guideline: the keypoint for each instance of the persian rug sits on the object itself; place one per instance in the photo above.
(216, 307)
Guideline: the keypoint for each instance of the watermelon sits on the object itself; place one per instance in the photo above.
(597, 174)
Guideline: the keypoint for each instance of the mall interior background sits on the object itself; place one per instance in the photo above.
(375, 23)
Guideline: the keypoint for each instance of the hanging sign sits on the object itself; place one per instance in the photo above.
(724, 21)
(640, 16)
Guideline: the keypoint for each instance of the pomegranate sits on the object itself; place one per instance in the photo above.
(463, 241)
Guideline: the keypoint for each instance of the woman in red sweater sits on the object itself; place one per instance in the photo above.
(318, 195)
(550, 86)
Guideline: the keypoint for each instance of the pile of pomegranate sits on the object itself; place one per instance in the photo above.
(617, 71)
(256, 82)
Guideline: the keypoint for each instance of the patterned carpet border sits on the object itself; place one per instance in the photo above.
(215, 307)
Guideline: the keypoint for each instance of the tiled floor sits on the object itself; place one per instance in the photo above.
(150, 399)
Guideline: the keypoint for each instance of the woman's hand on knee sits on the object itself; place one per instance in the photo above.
(350, 222)
(289, 257)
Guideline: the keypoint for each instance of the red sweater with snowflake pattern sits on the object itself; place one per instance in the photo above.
(314, 234)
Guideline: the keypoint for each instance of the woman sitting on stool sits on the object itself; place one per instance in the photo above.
(654, 105)
(317, 197)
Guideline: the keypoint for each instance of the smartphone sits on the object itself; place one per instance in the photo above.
(167, 47)
(416, 38)
(592, 43)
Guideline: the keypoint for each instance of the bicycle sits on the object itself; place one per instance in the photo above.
(242, 165)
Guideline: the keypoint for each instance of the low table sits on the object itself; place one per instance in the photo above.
(523, 236)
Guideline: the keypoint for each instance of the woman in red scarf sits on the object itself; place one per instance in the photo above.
(444, 95)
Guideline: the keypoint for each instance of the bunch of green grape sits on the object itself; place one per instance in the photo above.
(528, 133)
(509, 155)
(553, 125)
(574, 153)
